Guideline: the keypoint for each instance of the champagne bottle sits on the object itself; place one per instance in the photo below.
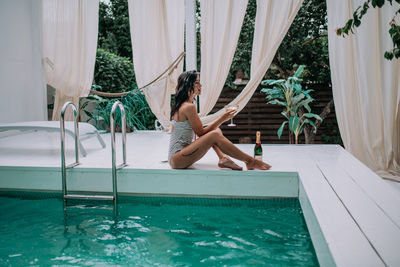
(257, 148)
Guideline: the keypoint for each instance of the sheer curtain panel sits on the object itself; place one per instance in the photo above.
(70, 29)
(273, 19)
(366, 86)
(157, 33)
(221, 22)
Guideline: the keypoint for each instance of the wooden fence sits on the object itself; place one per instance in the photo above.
(260, 116)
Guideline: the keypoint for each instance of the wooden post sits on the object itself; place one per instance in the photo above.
(190, 38)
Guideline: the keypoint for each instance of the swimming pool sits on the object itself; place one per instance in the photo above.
(152, 231)
(351, 213)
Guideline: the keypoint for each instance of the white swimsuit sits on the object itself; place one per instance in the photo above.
(181, 136)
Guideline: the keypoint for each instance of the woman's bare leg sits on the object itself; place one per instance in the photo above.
(224, 161)
(193, 152)
(230, 149)
(218, 152)
(196, 150)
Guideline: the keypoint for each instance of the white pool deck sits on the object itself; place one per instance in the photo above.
(352, 214)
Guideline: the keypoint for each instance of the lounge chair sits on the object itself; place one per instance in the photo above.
(86, 130)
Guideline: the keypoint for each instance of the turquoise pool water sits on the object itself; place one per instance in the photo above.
(155, 232)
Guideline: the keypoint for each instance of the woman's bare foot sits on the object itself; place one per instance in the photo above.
(226, 162)
(257, 164)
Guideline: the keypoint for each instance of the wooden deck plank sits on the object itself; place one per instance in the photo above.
(348, 246)
(382, 233)
(383, 194)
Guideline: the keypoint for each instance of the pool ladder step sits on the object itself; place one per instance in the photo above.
(64, 167)
(89, 197)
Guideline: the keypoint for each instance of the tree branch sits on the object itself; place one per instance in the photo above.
(308, 132)
(281, 71)
(310, 40)
(325, 112)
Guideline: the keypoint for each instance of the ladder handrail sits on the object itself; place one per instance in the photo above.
(116, 105)
(76, 137)
(66, 196)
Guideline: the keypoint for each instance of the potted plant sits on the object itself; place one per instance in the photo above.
(289, 94)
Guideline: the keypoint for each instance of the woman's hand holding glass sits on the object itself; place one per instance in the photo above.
(231, 110)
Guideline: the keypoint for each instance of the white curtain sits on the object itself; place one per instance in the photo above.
(70, 29)
(273, 19)
(22, 84)
(366, 87)
(221, 22)
(157, 33)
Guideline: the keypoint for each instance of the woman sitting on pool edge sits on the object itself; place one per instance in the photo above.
(182, 151)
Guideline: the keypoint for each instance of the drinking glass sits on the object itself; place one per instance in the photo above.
(231, 107)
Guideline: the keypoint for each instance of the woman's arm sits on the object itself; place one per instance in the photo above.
(194, 120)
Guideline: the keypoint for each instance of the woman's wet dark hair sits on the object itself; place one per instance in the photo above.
(184, 88)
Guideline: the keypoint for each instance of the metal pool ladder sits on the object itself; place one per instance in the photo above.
(64, 168)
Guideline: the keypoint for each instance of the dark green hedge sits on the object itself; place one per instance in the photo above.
(113, 73)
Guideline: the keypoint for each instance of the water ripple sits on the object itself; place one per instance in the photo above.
(166, 234)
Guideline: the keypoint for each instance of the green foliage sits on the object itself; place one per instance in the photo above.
(113, 73)
(306, 43)
(289, 94)
(358, 14)
(242, 56)
(114, 29)
(137, 112)
(334, 134)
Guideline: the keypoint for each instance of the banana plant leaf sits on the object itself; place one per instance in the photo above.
(297, 88)
(304, 103)
(297, 98)
(307, 93)
(299, 71)
(280, 130)
(307, 121)
(272, 82)
(312, 115)
(294, 123)
(277, 102)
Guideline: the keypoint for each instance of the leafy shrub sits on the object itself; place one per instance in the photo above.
(334, 134)
(113, 73)
(137, 112)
